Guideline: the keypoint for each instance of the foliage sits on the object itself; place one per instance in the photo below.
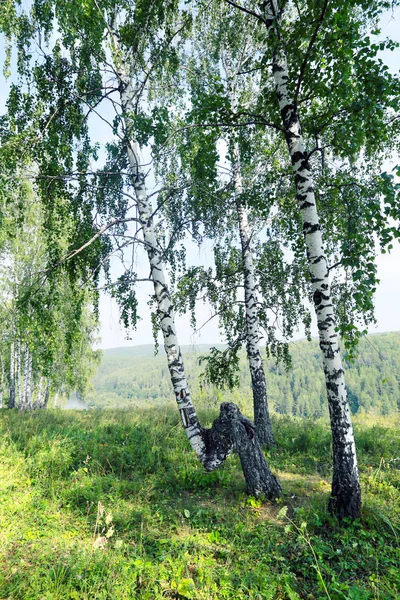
(178, 531)
(45, 318)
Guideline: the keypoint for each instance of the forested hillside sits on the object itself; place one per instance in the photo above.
(134, 377)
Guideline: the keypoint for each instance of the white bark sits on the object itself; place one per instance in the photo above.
(42, 394)
(346, 498)
(12, 375)
(47, 395)
(24, 394)
(18, 382)
(28, 387)
(259, 386)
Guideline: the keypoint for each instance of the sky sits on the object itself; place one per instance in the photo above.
(387, 300)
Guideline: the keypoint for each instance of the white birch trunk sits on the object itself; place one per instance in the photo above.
(28, 386)
(24, 397)
(3, 379)
(47, 395)
(262, 419)
(260, 402)
(193, 429)
(11, 402)
(18, 392)
(41, 394)
(41, 386)
(346, 496)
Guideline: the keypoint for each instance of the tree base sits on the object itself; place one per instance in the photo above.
(345, 502)
(231, 431)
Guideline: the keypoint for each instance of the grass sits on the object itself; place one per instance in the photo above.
(113, 505)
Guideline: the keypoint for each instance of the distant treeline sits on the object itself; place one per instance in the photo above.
(134, 376)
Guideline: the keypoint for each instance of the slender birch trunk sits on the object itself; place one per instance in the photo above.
(28, 387)
(262, 419)
(46, 395)
(212, 446)
(11, 402)
(189, 418)
(345, 499)
(42, 396)
(24, 396)
(3, 378)
(18, 381)
(40, 393)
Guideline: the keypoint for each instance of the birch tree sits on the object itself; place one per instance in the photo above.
(289, 82)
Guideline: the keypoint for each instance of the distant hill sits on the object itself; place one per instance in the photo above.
(148, 350)
(133, 376)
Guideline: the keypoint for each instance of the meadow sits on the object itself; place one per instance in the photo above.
(112, 505)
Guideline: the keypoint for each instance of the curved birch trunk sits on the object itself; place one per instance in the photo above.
(186, 408)
(212, 446)
(262, 419)
(345, 499)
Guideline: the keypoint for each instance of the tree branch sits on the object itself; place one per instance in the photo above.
(308, 52)
(246, 10)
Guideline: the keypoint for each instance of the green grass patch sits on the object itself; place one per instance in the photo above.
(113, 505)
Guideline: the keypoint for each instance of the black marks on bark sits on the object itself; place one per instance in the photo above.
(317, 260)
(317, 297)
(327, 349)
(332, 387)
(301, 179)
(311, 227)
(184, 417)
(260, 405)
(336, 374)
(306, 203)
(345, 498)
(288, 113)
